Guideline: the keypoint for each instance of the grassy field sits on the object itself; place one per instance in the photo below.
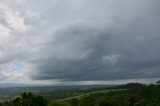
(91, 93)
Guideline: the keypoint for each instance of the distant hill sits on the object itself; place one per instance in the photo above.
(131, 85)
(8, 90)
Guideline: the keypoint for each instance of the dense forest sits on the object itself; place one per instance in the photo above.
(132, 94)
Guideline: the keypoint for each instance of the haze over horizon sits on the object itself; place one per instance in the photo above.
(79, 41)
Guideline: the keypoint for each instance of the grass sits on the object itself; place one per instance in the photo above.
(89, 93)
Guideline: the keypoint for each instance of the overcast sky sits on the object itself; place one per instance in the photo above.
(79, 40)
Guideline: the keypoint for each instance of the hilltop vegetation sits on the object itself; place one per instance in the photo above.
(132, 94)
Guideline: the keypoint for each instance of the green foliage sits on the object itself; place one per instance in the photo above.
(0, 103)
(26, 99)
(105, 102)
(132, 95)
(6, 103)
(74, 102)
(16, 101)
(58, 104)
(87, 101)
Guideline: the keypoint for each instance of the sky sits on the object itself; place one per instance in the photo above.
(79, 41)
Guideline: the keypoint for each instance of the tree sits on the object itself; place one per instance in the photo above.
(16, 101)
(105, 102)
(38, 101)
(6, 103)
(87, 101)
(74, 102)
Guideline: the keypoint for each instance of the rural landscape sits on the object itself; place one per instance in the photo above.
(79, 52)
(131, 94)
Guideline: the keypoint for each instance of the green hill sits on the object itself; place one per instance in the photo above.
(132, 94)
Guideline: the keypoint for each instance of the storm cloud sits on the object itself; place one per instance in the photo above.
(80, 40)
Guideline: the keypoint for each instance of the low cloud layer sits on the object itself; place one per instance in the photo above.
(79, 40)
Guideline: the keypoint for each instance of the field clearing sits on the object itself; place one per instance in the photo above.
(87, 94)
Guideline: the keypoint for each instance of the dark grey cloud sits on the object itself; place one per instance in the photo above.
(83, 39)
(127, 48)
